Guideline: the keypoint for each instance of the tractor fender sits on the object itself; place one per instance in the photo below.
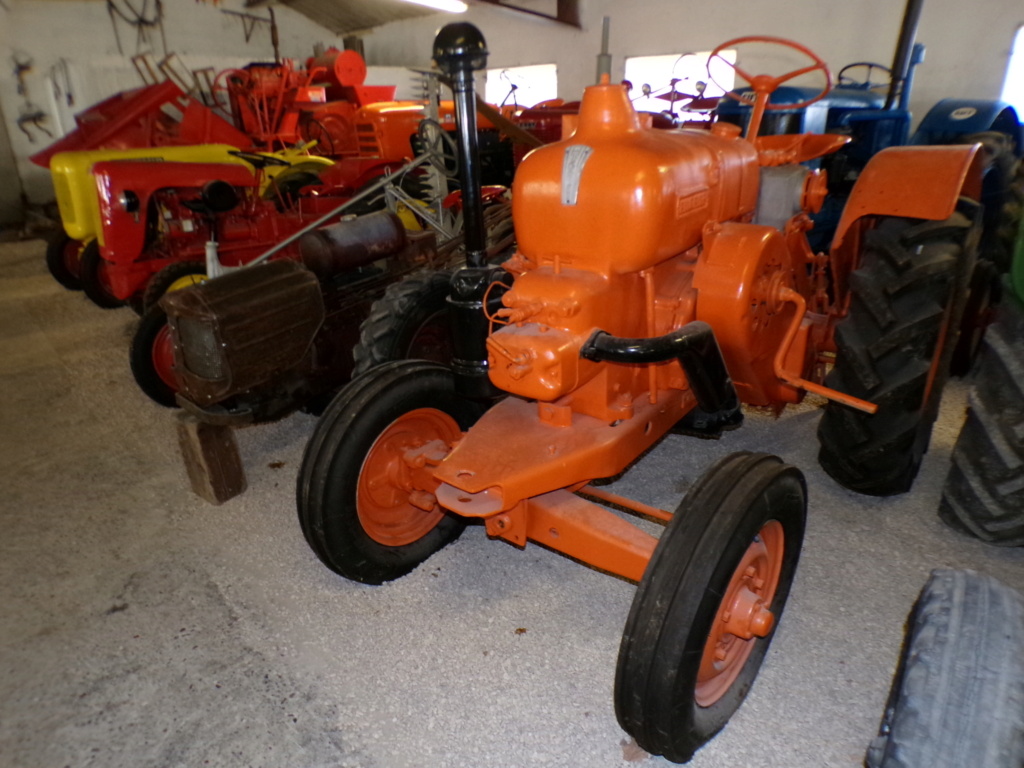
(950, 120)
(913, 182)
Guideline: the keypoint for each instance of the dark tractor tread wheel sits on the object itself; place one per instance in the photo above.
(92, 273)
(151, 358)
(957, 698)
(983, 293)
(984, 491)
(358, 522)
(908, 294)
(182, 273)
(410, 321)
(684, 667)
(62, 259)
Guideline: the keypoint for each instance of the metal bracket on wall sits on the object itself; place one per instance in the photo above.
(567, 11)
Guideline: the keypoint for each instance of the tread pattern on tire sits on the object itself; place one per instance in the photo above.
(385, 335)
(900, 291)
(984, 491)
(958, 695)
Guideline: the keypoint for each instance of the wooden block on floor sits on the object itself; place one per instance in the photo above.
(211, 458)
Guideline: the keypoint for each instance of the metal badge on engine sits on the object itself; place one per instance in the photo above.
(575, 158)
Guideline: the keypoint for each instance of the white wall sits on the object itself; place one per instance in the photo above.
(80, 33)
(968, 43)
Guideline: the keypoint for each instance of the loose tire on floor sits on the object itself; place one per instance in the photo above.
(94, 274)
(62, 260)
(894, 349)
(957, 698)
(722, 569)
(173, 277)
(410, 321)
(357, 519)
(984, 491)
(152, 358)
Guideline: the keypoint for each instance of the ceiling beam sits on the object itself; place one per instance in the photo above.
(567, 12)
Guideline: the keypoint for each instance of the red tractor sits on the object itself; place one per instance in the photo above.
(662, 279)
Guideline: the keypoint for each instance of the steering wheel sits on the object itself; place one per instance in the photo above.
(257, 159)
(764, 86)
(439, 147)
(842, 79)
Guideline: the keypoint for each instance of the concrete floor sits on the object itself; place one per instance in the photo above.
(140, 626)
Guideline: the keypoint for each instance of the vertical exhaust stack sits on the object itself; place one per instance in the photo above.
(460, 50)
(899, 87)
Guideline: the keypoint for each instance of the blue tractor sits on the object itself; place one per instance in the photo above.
(870, 103)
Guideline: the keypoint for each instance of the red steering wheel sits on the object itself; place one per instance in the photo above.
(764, 85)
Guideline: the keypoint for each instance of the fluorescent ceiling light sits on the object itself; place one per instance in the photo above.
(451, 6)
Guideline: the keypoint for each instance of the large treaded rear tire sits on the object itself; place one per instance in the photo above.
(957, 699)
(984, 491)
(893, 349)
(409, 321)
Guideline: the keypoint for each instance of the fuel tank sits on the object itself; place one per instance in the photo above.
(618, 197)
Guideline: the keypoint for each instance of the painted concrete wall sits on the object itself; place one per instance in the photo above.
(80, 33)
(968, 43)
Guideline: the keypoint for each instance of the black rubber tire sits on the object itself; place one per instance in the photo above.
(140, 358)
(679, 596)
(58, 254)
(159, 283)
(90, 265)
(957, 698)
(908, 295)
(983, 292)
(984, 491)
(330, 472)
(410, 321)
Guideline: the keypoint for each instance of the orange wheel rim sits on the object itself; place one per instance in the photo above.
(386, 479)
(743, 616)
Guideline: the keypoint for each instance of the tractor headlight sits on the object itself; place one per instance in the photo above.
(129, 201)
(201, 354)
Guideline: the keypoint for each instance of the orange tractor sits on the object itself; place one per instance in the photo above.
(662, 279)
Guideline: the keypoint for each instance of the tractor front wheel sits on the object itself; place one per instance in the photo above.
(94, 272)
(62, 259)
(365, 506)
(894, 349)
(706, 608)
(410, 321)
(152, 358)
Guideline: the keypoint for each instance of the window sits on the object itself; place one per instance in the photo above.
(655, 78)
(1013, 86)
(522, 86)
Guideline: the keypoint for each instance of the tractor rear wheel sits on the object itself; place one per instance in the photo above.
(706, 608)
(94, 272)
(173, 277)
(366, 512)
(62, 259)
(152, 358)
(984, 491)
(410, 321)
(894, 349)
(956, 698)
